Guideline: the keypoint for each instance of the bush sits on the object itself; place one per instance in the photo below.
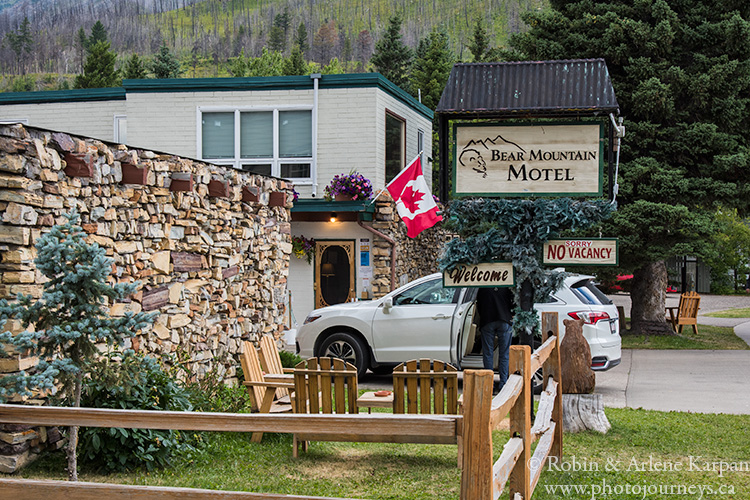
(289, 359)
(134, 382)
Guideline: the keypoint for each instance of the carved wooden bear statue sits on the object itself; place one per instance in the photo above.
(575, 357)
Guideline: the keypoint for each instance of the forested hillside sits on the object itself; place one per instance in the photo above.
(207, 35)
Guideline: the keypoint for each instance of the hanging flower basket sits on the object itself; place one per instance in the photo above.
(303, 248)
(353, 186)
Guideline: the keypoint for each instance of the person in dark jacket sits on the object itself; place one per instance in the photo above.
(495, 306)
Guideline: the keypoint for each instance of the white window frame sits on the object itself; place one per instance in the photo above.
(276, 160)
(116, 128)
(11, 121)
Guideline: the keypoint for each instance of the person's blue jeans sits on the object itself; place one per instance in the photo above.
(504, 333)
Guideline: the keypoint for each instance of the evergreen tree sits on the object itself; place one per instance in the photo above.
(98, 34)
(269, 63)
(276, 40)
(392, 58)
(300, 38)
(65, 325)
(295, 64)
(238, 65)
(135, 69)
(480, 42)
(83, 43)
(99, 70)
(681, 72)
(431, 67)
(334, 67)
(165, 64)
(21, 43)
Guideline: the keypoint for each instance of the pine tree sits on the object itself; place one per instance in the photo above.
(83, 44)
(480, 43)
(269, 63)
(295, 64)
(98, 34)
(238, 65)
(392, 58)
(21, 42)
(99, 70)
(301, 38)
(165, 64)
(681, 73)
(135, 69)
(431, 67)
(276, 40)
(65, 325)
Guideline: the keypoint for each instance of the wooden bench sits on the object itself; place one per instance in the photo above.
(686, 313)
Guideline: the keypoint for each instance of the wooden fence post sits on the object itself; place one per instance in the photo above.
(551, 368)
(520, 421)
(476, 473)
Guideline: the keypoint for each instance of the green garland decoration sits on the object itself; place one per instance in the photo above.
(515, 230)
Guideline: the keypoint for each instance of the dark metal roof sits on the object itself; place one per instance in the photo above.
(574, 87)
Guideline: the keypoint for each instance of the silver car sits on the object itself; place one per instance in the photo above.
(423, 319)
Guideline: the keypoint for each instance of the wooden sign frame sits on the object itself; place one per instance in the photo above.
(478, 273)
(490, 160)
(545, 251)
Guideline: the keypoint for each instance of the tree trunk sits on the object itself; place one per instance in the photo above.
(71, 450)
(582, 412)
(648, 299)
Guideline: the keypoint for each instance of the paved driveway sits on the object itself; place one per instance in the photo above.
(693, 381)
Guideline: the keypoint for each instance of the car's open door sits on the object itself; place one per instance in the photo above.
(463, 332)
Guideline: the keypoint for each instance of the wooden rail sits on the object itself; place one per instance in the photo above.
(517, 466)
(481, 479)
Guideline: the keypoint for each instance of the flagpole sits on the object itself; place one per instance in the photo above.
(386, 186)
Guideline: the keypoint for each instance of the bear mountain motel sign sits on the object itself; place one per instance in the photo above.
(530, 129)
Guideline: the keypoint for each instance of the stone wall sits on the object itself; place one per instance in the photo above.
(210, 245)
(414, 257)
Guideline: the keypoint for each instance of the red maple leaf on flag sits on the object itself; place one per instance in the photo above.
(410, 198)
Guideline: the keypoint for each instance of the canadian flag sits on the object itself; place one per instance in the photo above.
(414, 201)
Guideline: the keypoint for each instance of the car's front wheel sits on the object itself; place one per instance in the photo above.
(347, 347)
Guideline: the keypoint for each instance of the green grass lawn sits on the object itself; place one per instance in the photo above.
(709, 337)
(743, 312)
(229, 461)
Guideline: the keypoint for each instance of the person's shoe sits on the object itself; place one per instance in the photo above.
(495, 389)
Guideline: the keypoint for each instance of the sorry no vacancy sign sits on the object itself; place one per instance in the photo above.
(549, 159)
(581, 252)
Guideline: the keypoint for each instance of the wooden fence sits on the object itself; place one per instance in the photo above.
(480, 478)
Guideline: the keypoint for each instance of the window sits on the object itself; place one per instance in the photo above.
(395, 138)
(429, 292)
(274, 142)
(121, 129)
(420, 146)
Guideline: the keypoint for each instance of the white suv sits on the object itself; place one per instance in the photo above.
(423, 319)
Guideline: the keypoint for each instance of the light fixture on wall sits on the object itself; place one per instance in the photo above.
(334, 216)
(327, 270)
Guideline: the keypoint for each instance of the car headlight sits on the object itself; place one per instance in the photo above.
(311, 318)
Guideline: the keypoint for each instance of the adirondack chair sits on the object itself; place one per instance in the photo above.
(270, 361)
(416, 382)
(686, 312)
(323, 385)
(262, 387)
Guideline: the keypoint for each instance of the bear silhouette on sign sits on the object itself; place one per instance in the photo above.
(575, 358)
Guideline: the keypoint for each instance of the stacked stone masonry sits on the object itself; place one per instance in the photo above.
(213, 267)
(415, 257)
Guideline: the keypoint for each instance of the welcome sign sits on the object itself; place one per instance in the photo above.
(485, 274)
(581, 252)
(528, 160)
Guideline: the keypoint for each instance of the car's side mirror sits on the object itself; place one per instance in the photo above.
(387, 305)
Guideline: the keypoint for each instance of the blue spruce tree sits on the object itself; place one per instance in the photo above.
(65, 325)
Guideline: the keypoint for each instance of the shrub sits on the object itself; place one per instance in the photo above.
(289, 359)
(134, 382)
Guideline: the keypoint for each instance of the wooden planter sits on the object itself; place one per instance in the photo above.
(343, 197)
(181, 181)
(133, 174)
(250, 194)
(218, 189)
(277, 199)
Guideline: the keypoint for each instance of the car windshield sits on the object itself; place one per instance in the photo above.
(429, 292)
(588, 293)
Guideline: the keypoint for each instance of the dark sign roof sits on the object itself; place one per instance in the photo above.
(575, 87)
